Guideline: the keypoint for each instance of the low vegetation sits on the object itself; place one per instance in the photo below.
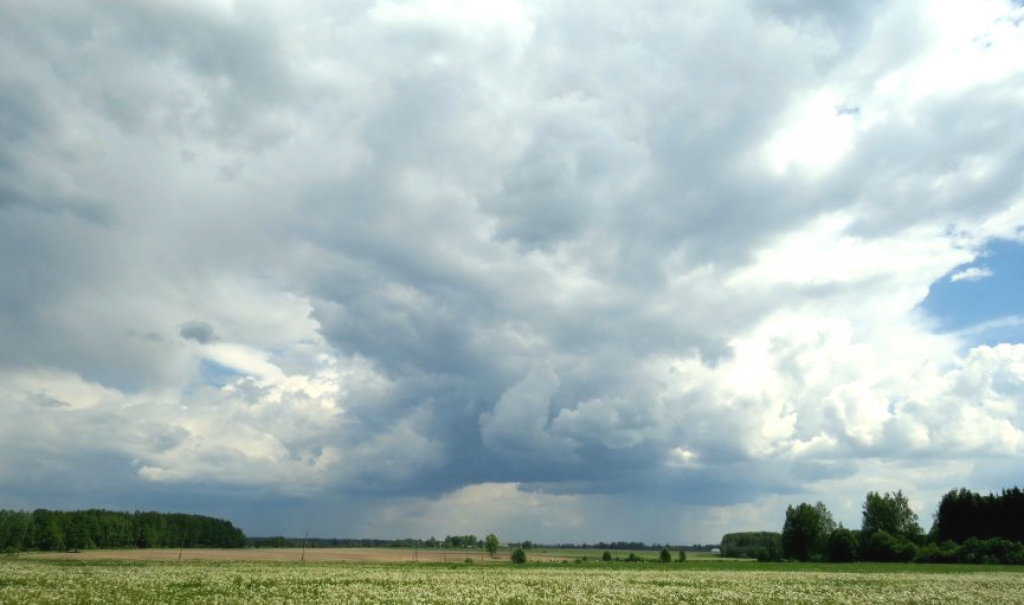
(748, 545)
(25, 582)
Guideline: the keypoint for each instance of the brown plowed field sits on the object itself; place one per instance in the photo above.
(371, 555)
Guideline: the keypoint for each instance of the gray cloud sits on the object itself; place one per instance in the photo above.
(565, 259)
(199, 331)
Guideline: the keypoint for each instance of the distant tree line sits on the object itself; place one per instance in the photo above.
(629, 546)
(78, 530)
(968, 528)
(459, 541)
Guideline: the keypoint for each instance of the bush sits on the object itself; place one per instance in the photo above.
(882, 546)
(993, 550)
(519, 556)
(946, 552)
(607, 556)
(632, 558)
(842, 546)
(682, 556)
(665, 555)
(746, 545)
(771, 553)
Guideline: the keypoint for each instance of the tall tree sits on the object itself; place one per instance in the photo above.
(890, 513)
(806, 530)
(491, 544)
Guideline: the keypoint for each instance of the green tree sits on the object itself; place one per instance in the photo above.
(519, 556)
(49, 532)
(665, 555)
(682, 556)
(606, 556)
(842, 546)
(76, 535)
(806, 530)
(890, 513)
(491, 543)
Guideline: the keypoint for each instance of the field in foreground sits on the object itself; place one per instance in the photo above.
(28, 582)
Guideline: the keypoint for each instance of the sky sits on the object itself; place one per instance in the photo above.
(563, 271)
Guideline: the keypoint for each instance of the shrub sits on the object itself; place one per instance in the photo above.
(682, 556)
(882, 546)
(993, 550)
(748, 544)
(769, 554)
(842, 546)
(607, 556)
(946, 552)
(519, 556)
(665, 555)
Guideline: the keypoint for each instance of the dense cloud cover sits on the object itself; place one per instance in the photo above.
(558, 270)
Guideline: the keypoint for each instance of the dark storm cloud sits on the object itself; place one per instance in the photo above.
(565, 258)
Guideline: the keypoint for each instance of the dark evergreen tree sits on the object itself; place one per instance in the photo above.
(963, 514)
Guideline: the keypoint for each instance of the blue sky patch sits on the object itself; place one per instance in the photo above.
(215, 374)
(984, 300)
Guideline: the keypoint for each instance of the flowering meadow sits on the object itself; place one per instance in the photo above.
(25, 582)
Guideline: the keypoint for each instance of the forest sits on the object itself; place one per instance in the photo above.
(968, 528)
(49, 530)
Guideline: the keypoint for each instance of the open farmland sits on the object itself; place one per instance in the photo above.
(26, 582)
(367, 555)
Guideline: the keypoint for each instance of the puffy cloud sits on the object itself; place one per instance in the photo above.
(526, 264)
(517, 425)
(971, 274)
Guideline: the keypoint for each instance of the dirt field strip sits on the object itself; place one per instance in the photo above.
(368, 555)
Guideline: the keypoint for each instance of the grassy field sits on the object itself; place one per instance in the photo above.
(46, 581)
